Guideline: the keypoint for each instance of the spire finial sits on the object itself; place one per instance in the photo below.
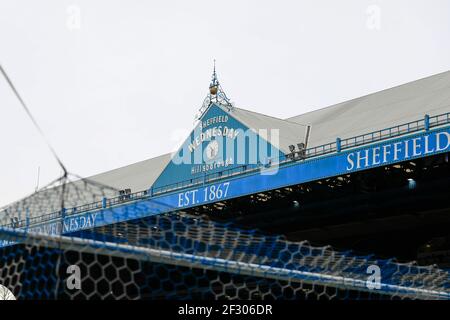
(214, 85)
(216, 94)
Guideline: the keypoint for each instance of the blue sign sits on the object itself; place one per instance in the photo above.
(340, 163)
(218, 142)
(394, 151)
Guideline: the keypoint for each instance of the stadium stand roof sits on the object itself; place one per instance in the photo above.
(137, 176)
(376, 111)
(290, 132)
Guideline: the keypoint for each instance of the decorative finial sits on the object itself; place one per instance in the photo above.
(214, 85)
(216, 95)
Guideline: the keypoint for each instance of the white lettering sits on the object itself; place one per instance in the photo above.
(350, 161)
(438, 141)
(376, 156)
(416, 147)
(386, 152)
(365, 159)
(396, 150)
(427, 142)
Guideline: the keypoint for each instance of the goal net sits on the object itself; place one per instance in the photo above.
(180, 256)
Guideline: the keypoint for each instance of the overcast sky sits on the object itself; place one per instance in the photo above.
(116, 82)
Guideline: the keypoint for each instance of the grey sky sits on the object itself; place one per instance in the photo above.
(119, 86)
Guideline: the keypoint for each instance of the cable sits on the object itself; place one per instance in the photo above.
(33, 120)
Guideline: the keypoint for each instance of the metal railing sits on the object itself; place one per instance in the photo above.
(352, 142)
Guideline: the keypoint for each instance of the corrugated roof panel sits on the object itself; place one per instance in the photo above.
(362, 115)
(379, 110)
(137, 176)
(289, 132)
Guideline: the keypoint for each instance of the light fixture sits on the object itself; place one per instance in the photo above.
(301, 150)
(411, 183)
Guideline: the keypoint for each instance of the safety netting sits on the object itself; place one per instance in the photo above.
(176, 255)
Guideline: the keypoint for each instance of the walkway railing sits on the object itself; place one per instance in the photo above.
(352, 142)
(340, 144)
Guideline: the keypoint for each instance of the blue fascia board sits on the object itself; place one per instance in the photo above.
(424, 144)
